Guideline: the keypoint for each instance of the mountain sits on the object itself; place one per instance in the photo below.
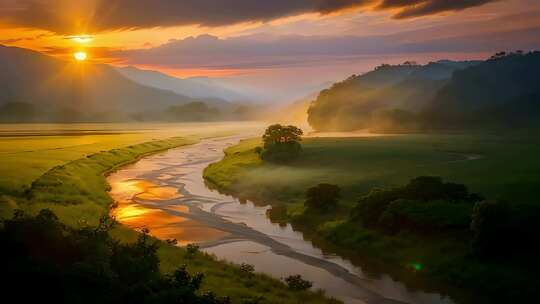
(501, 91)
(371, 100)
(192, 87)
(72, 91)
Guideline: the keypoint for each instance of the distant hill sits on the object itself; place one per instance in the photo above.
(503, 91)
(192, 87)
(365, 101)
(56, 90)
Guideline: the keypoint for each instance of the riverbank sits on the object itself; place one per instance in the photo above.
(77, 192)
(435, 262)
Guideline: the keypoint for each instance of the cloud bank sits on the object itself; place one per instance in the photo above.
(68, 16)
(274, 52)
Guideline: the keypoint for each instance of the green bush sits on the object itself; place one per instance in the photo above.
(426, 204)
(65, 265)
(322, 198)
(424, 217)
(297, 283)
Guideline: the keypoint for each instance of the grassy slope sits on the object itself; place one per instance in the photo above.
(29, 150)
(77, 192)
(357, 165)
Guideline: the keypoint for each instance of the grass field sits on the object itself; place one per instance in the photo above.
(29, 150)
(62, 168)
(494, 166)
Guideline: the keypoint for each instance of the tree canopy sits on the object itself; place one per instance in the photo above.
(278, 134)
(281, 143)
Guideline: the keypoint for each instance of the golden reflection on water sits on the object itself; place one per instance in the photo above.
(126, 190)
(160, 223)
(129, 211)
(159, 194)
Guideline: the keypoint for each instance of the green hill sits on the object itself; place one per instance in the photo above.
(503, 91)
(366, 101)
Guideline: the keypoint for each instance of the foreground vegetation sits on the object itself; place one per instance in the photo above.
(87, 266)
(424, 237)
(75, 192)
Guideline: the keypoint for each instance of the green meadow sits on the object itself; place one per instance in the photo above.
(64, 171)
(496, 166)
(492, 165)
(29, 150)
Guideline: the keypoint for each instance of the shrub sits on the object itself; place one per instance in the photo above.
(424, 217)
(192, 250)
(425, 204)
(323, 197)
(371, 206)
(247, 269)
(297, 283)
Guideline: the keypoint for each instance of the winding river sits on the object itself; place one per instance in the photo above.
(166, 193)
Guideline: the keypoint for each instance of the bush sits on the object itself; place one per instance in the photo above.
(425, 204)
(371, 206)
(247, 269)
(424, 217)
(323, 197)
(297, 283)
(192, 250)
(430, 188)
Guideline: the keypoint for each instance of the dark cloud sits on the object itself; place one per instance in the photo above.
(418, 8)
(68, 16)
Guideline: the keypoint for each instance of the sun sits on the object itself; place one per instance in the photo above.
(80, 56)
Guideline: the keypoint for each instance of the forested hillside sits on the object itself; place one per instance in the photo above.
(500, 92)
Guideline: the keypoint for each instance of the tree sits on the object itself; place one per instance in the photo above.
(278, 134)
(322, 197)
(281, 143)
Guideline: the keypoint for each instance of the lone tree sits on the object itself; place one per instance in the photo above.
(323, 197)
(281, 143)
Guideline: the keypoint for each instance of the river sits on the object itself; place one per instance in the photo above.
(166, 193)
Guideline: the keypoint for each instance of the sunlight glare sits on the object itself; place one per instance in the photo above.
(81, 38)
(80, 56)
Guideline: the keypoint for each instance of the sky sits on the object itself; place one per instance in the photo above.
(279, 49)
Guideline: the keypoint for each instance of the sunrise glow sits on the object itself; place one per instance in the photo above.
(80, 56)
(81, 38)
